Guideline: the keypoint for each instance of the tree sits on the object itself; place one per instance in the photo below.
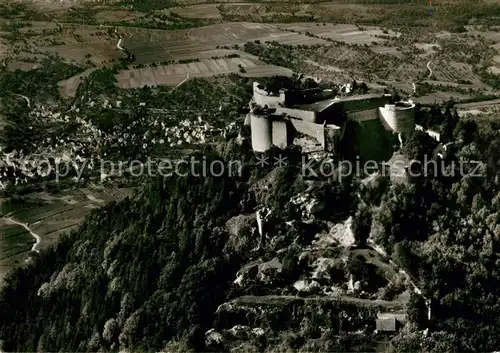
(493, 162)
(417, 310)
(450, 122)
(111, 330)
(361, 225)
(466, 131)
(196, 339)
(418, 145)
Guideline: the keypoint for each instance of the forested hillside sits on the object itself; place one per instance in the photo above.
(154, 268)
(138, 273)
(183, 258)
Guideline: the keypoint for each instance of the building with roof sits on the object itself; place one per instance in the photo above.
(390, 322)
(386, 325)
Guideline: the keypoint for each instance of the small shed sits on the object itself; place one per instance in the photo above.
(386, 325)
(390, 322)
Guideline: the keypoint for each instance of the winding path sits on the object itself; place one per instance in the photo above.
(119, 44)
(24, 97)
(430, 70)
(25, 226)
(428, 77)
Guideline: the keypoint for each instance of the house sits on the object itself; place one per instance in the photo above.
(386, 325)
(389, 322)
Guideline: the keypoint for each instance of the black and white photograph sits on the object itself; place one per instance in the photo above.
(254, 176)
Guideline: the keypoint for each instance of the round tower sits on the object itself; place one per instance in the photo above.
(262, 137)
(400, 116)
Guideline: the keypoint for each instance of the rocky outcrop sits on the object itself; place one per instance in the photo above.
(259, 270)
(243, 234)
(268, 270)
(213, 338)
(281, 313)
(247, 272)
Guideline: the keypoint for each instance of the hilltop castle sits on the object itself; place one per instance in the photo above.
(276, 119)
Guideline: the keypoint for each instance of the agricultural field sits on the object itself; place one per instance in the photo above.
(477, 110)
(346, 33)
(84, 45)
(382, 56)
(198, 11)
(169, 75)
(448, 14)
(68, 87)
(15, 243)
(46, 215)
(455, 72)
(440, 97)
(157, 45)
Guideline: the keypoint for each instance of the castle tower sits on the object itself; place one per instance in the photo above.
(262, 135)
(400, 117)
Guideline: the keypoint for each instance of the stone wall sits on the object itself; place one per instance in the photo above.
(316, 131)
(263, 98)
(364, 115)
(306, 115)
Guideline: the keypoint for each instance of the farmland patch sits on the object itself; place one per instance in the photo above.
(170, 75)
(56, 214)
(198, 11)
(14, 242)
(346, 33)
(440, 97)
(68, 87)
(156, 45)
(455, 72)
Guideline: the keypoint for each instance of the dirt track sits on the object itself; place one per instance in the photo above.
(285, 299)
(25, 226)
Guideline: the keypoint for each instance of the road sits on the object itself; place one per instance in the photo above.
(119, 44)
(187, 78)
(284, 299)
(428, 77)
(25, 226)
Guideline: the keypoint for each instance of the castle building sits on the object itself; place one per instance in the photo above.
(276, 119)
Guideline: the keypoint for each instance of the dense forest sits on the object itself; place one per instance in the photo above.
(150, 272)
(138, 273)
(154, 268)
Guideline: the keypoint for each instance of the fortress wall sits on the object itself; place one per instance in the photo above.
(364, 104)
(364, 115)
(316, 131)
(372, 140)
(333, 114)
(261, 130)
(262, 98)
(400, 119)
(280, 134)
(297, 113)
